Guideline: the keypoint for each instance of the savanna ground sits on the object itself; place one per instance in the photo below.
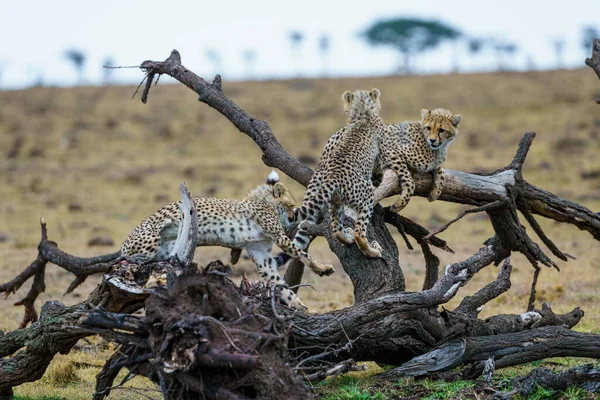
(93, 162)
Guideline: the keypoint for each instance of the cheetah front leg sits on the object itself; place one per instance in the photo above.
(290, 248)
(407, 186)
(261, 254)
(438, 184)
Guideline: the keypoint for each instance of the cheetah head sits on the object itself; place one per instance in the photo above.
(440, 127)
(283, 199)
(361, 104)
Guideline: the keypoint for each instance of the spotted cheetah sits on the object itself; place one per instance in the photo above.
(343, 176)
(253, 224)
(418, 146)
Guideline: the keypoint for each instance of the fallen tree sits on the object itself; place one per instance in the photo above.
(386, 324)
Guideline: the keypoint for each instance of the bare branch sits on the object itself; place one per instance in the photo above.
(490, 206)
(345, 366)
(273, 154)
(470, 305)
(507, 349)
(594, 62)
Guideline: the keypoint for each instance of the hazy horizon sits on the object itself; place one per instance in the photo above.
(131, 32)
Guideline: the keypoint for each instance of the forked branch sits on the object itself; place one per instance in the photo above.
(594, 61)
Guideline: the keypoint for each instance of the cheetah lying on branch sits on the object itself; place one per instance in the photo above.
(418, 146)
(253, 223)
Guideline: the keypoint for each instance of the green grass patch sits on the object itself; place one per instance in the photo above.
(445, 390)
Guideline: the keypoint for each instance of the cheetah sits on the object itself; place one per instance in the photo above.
(418, 146)
(343, 176)
(253, 223)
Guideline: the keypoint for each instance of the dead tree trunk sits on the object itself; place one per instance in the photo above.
(386, 324)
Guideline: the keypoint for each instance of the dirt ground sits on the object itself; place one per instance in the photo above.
(94, 163)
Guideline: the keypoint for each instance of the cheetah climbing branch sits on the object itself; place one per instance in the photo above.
(202, 335)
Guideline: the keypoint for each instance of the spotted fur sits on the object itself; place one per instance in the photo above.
(253, 223)
(419, 146)
(343, 176)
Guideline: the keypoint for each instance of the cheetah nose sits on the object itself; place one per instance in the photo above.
(432, 141)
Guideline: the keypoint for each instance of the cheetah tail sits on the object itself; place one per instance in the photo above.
(273, 178)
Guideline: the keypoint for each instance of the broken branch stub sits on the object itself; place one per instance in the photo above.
(185, 245)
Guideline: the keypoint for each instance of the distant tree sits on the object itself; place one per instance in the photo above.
(215, 58)
(559, 51)
(296, 39)
(475, 45)
(503, 50)
(409, 36)
(107, 72)
(77, 57)
(249, 57)
(589, 34)
(324, 46)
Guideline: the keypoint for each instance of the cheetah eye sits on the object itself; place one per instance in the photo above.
(427, 128)
(441, 131)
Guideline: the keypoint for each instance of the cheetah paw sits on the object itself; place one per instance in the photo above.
(324, 269)
(346, 236)
(296, 304)
(398, 206)
(434, 194)
(374, 250)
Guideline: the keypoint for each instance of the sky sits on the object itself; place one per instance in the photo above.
(35, 34)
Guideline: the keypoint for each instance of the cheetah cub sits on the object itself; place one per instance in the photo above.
(343, 175)
(419, 146)
(253, 223)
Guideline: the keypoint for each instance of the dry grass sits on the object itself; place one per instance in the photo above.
(118, 161)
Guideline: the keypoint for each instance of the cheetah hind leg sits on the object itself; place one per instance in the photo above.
(336, 210)
(372, 250)
(345, 236)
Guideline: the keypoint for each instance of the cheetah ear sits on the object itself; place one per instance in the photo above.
(374, 93)
(348, 96)
(456, 118)
(424, 113)
(278, 190)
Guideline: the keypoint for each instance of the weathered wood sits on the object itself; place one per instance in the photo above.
(38, 345)
(507, 350)
(594, 61)
(585, 376)
(185, 244)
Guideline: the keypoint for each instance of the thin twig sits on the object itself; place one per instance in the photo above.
(302, 285)
(490, 206)
(223, 328)
(139, 86)
(120, 66)
(531, 303)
